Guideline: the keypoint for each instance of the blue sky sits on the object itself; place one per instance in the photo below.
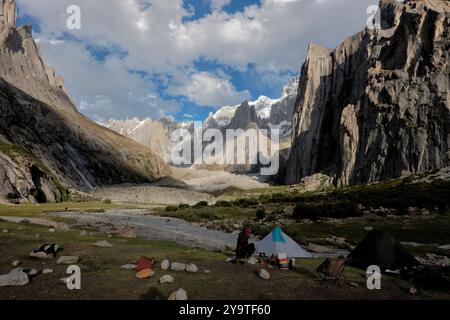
(152, 58)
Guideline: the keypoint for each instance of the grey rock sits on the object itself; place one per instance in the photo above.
(16, 263)
(103, 244)
(180, 295)
(176, 266)
(83, 233)
(129, 266)
(41, 255)
(68, 260)
(49, 128)
(166, 279)
(33, 272)
(191, 268)
(19, 278)
(377, 106)
(165, 265)
(264, 274)
(47, 271)
(319, 249)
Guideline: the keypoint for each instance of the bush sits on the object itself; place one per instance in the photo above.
(171, 208)
(184, 206)
(201, 204)
(223, 204)
(260, 213)
(107, 201)
(303, 211)
(209, 215)
(245, 203)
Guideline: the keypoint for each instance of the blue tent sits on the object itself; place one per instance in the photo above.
(279, 242)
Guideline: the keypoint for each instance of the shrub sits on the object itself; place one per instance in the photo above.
(184, 206)
(245, 202)
(171, 208)
(107, 201)
(260, 213)
(209, 215)
(223, 204)
(304, 211)
(201, 204)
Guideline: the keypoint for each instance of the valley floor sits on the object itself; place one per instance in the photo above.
(103, 278)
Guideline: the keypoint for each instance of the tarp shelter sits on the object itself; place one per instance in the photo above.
(379, 248)
(279, 242)
(145, 263)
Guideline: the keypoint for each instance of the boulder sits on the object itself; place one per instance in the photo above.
(33, 272)
(129, 233)
(264, 274)
(252, 260)
(180, 295)
(68, 260)
(166, 279)
(176, 266)
(145, 274)
(17, 278)
(83, 233)
(16, 263)
(319, 249)
(165, 265)
(129, 266)
(41, 255)
(52, 230)
(5, 231)
(47, 271)
(103, 244)
(191, 268)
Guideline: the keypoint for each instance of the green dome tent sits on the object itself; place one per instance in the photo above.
(381, 249)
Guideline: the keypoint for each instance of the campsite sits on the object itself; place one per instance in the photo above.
(215, 276)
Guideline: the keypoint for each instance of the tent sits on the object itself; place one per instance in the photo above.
(279, 242)
(381, 249)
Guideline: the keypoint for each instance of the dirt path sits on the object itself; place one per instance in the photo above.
(156, 228)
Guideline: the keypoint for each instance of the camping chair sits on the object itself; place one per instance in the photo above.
(331, 270)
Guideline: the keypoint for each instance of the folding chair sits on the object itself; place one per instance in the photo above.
(332, 270)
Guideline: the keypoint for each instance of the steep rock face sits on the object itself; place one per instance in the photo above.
(154, 134)
(43, 149)
(245, 117)
(21, 63)
(46, 146)
(377, 106)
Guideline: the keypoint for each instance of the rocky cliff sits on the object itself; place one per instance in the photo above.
(377, 106)
(46, 146)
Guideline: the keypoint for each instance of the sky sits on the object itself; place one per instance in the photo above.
(183, 58)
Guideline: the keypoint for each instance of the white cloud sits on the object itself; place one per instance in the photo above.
(272, 36)
(208, 89)
(218, 5)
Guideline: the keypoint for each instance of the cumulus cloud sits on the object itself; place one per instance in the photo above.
(208, 89)
(153, 37)
(218, 5)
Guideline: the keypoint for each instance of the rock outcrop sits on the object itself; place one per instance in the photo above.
(377, 106)
(46, 146)
(21, 63)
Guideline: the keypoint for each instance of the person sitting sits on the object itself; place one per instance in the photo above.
(244, 250)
